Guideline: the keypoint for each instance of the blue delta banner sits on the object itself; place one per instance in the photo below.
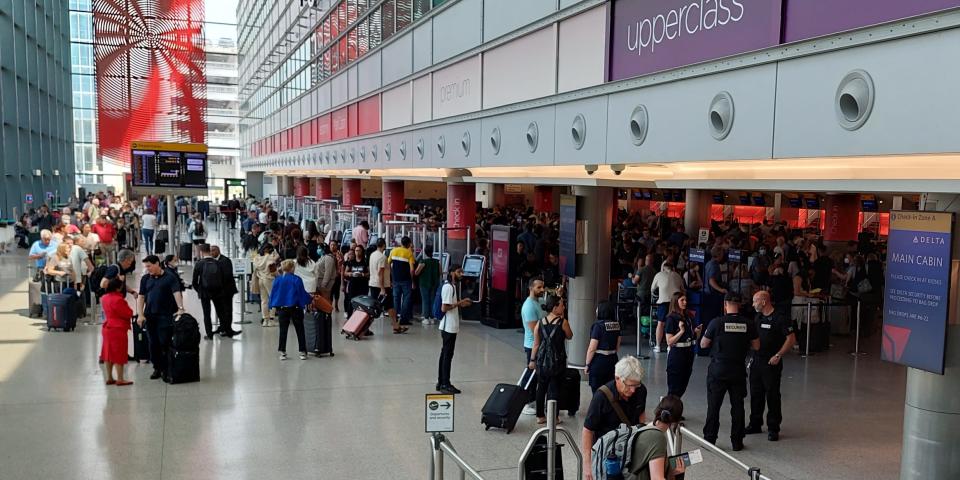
(917, 290)
(568, 235)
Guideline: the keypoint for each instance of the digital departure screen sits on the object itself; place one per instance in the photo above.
(169, 165)
(144, 168)
(169, 172)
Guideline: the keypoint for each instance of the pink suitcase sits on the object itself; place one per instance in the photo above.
(357, 324)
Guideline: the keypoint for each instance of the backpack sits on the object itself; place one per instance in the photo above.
(210, 279)
(618, 442)
(438, 303)
(198, 230)
(186, 334)
(551, 360)
(96, 277)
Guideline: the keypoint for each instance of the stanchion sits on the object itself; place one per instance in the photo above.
(807, 330)
(856, 342)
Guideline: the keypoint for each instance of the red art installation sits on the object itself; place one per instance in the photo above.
(151, 83)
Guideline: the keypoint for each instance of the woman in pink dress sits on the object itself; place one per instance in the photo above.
(118, 315)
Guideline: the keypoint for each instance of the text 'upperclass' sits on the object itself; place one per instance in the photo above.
(692, 18)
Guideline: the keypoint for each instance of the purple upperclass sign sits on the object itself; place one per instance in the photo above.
(814, 18)
(653, 35)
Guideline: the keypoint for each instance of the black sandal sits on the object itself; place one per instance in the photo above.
(401, 330)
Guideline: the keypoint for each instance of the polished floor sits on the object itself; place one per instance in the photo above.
(359, 415)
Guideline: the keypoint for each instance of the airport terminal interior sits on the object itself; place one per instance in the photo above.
(727, 226)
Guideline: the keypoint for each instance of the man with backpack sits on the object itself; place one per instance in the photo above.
(621, 401)
(212, 287)
(449, 327)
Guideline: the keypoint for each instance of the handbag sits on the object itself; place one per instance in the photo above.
(838, 291)
(864, 286)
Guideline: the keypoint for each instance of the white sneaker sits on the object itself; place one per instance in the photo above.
(427, 321)
(303, 355)
(529, 410)
(656, 349)
(283, 355)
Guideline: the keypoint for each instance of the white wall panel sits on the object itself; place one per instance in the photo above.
(504, 16)
(324, 97)
(340, 91)
(457, 29)
(567, 3)
(594, 148)
(457, 89)
(368, 76)
(423, 46)
(914, 112)
(398, 59)
(520, 70)
(396, 107)
(352, 82)
(514, 149)
(679, 119)
(582, 50)
(422, 99)
(454, 155)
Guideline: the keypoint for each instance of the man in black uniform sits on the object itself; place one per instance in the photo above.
(776, 339)
(734, 336)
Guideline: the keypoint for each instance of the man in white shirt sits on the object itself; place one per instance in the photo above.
(378, 263)
(665, 284)
(449, 327)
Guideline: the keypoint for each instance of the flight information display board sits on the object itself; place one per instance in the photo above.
(169, 165)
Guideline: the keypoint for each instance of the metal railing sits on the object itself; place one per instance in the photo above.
(677, 432)
(550, 431)
(825, 307)
(440, 445)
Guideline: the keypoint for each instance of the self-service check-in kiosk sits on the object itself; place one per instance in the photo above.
(504, 293)
(472, 285)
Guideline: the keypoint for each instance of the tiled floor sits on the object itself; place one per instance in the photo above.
(359, 415)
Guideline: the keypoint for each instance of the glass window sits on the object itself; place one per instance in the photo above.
(362, 6)
(363, 34)
(344, 59)
(334, 23)
(420, 8)
(325, 65)
(437, 3)
(404, 14)
(342, 15)
(81, 56)
(81, 27)
(373, 23)
(387, 21)
(351, 12)
(352, 45)
(83, 5)
(325, 31)
(334, 59)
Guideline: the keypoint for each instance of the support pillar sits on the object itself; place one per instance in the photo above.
(777, 205)
(324, 189)
(543, 199)
(301, 187)
(592, 283)
(696, 212)
(393, 196)
(931, 419)
(842, 219)
(351, 192)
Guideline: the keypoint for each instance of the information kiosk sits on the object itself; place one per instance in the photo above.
(472, 285)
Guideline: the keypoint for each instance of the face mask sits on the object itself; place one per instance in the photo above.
(846, 261)
(763, 251)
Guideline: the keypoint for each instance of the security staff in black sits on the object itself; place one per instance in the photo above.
(603, 347)
(680, 335)
(776, 339)
(732, 337)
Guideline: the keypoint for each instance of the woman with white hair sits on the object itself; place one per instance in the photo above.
(621, 401)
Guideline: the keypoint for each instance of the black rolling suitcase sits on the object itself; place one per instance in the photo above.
(183, 357)
(141, 343)
(186, 252)
(506, 402)
(160, 243)
(569, 399)
(63, 310)
(319, 331)
(536, 464)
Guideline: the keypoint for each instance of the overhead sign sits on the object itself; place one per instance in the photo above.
(917, 290)
(697, 255)
(568, 235)
(240, 268)
(704, 236)
(439, 410)
(28, 198)
(734, 255)
(49, 195)
(654, 35)
(169, 165)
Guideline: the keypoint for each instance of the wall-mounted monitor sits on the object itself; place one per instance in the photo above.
(169, 168)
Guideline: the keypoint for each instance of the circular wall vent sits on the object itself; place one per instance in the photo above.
(495, 140)
(403, 150)
(578, 131)
(721, 115)
(442, 146)
(420, 148)
(465, 144)
(639, 124)
(854, 99)
(387, 150)
(533, 136)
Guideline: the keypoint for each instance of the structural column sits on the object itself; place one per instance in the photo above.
(842, 218)
(324, 189)
(931, 419)
(543, 199)
(351, 192)
(592, 283)
(301, 187)
(696, 212)
(393, 200)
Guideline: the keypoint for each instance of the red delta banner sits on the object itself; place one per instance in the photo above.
(462, 208)
(151, 83)
(393, 201)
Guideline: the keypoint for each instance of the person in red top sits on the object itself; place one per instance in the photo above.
(118, 315)
(107, 232)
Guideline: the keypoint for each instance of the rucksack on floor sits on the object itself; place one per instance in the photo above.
(620, 443)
